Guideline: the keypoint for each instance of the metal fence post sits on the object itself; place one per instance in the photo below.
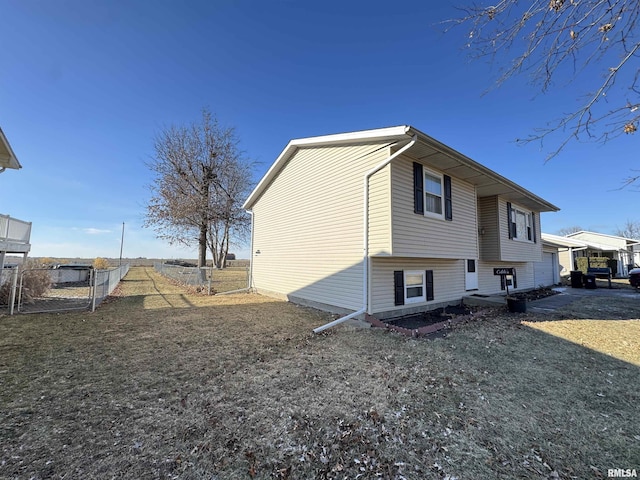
(95, 288)
(14, 284)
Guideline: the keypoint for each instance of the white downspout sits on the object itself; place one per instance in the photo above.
(365, 257)
(251, 253)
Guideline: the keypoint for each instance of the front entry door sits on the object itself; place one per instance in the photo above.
(471, 274)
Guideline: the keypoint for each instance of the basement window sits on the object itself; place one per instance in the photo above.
(414, 286)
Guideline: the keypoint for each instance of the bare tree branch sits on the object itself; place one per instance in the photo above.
(596, 40)
(201, 179)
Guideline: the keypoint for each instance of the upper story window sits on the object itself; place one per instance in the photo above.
(521, 224)
(431, 193)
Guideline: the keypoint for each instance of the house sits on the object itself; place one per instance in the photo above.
(14, 234)
(547, 271)
(7, 157)
(388, 222)
(625, 251)
(567, 250)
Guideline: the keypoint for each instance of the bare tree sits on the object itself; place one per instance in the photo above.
(631, 229)
(201, 180)
(569, 230)
(552, 40)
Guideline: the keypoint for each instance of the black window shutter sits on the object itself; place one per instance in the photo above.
(503, 282)
(515, 280)
(418, 189)
(533, 227)
(509, 221)
(398, 287)
(448, 206)
(429, 282)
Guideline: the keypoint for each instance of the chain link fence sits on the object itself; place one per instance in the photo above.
(106, 282)
(42, 290)
(206, 279)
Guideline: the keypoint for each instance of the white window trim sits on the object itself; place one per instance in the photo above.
(427, 213)
(422, 298)
(528, 223)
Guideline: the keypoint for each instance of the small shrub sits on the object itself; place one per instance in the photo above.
(35, 283)
(5, 292)
(101, 264)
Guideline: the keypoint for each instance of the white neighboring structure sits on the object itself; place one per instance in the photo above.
(625, 250)
(7, 157)
(388, 222)
(15, 234)
(566, 249)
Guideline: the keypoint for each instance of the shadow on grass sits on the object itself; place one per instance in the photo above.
(540, 399)
(240, 390)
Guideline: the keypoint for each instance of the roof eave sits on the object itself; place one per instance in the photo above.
(380, 134)
(534, 200)
(8, 159)
(397, 133)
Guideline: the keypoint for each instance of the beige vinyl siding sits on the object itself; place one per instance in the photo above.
(308, 226)
(489, 238)
(380, 213)
(448, 280)
(490, 283)
(516, 250)
(564, 257)
(415, 235)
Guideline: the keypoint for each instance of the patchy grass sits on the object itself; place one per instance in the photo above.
(159, 383)
(230, 279)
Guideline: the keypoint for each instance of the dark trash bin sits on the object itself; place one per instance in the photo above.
(576, 279)
(589, 281)
(517, 305)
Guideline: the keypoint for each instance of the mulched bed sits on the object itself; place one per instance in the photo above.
(431, 317)
(536, 294)
(425, 323)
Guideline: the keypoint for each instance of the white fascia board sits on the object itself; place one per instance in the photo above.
(604, 235)
(380, 134)
(8, 159)
(562, 241)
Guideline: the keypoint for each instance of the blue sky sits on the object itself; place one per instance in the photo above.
(85, 86)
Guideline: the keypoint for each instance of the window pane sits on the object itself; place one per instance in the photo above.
(413, 292)
(432, 184)
(521, 225)
(413, 279)
(433, 204)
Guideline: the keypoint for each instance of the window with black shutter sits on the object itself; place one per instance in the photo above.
(398, 285)
(418, 189)
(448, 205)
(429, 281)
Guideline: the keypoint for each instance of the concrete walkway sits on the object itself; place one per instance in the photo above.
(566, 296)
(569, 295)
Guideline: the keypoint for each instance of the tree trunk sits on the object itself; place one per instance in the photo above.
(202, 247)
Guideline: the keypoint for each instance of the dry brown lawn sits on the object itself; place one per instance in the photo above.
(161, 383)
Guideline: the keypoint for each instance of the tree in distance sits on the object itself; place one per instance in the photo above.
(201, 179)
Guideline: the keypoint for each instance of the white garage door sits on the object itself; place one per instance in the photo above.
(544, 270)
